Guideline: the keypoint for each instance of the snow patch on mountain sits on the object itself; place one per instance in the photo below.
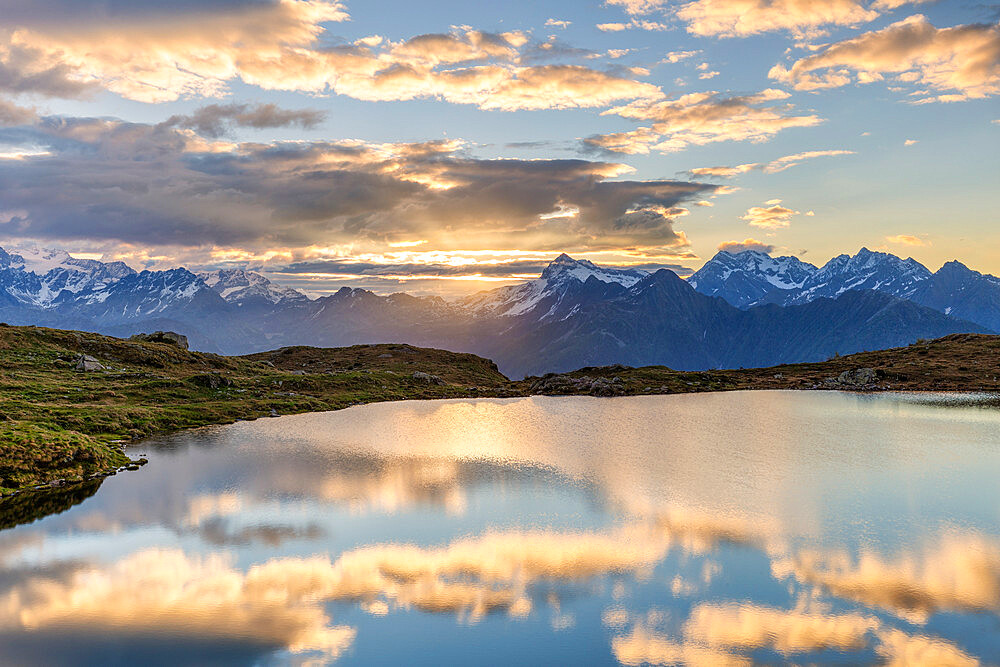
(240, 286)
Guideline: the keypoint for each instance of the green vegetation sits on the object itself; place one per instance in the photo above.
(60, 424)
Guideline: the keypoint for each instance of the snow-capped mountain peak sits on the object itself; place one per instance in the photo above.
(562, 274)
(40, 260)
(240, 287)
(565, 267)
(866, 270)
(39, 276)
(749, 277)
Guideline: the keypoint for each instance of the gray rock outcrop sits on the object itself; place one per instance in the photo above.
(859, 377)
(427, 377)
(170, 337)
(85, 362)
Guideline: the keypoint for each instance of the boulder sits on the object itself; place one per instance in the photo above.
(169, 337)
(85, 362)
(859, 377)
(563, 384)
(210, 380)
(427, 377)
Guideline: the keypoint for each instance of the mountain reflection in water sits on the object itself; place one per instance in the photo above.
(713, 529)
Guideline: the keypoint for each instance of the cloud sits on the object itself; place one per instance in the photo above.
(638, 6)
(164, 54)
(741, 18)
(958, 573)
(12, 114)
(634, 24)
(281, 603)
(964, 59)
(155, 591)
(725, 172)
(25, 69)
(701, 118)
(907, 239)
(157, 185)
(729, 633)
(678, 56)
(770, 216)
(749, 626)
(643, 646)
(557, 23)
(746, 244)
(900, 649)
(772, 167)
(215, 120)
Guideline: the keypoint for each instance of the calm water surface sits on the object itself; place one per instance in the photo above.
(731, 528)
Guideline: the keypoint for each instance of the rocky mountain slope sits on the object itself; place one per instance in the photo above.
(749, 279)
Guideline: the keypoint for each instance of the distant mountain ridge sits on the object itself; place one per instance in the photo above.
(745, 309)
(742, 279)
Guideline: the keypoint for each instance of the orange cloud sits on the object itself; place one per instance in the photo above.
(740, 18)
(770, 216)
(907, 239)
(963, 58)
(277, 47)
(747, 626)
(701, 118)
(961, 573)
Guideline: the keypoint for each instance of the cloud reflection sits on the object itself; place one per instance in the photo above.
(960, 572)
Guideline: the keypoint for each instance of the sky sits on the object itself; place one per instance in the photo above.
(447, 147)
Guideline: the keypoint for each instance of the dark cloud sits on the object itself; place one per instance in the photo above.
(215, 120)
(12, 114)
(27, 70)
(109, 180)
(746, 244)
(57, 12)
(552, 49)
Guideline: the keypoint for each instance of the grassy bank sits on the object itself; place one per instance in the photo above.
(59, 424)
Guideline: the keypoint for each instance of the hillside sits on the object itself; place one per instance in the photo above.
(58, 423)
(959, 362)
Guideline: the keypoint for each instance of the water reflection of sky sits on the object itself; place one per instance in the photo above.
(702, 529)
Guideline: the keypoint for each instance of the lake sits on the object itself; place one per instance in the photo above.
(703, 529)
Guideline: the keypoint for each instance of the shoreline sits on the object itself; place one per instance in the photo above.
(60, 425)
(62, 484)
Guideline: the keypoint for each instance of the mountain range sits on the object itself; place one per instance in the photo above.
(752, 278)
(739, 310)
